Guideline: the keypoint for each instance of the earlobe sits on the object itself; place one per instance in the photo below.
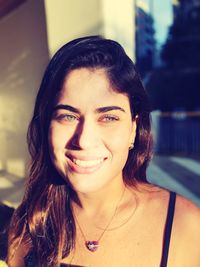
(134, 127)
(133, 135)
(131, 146)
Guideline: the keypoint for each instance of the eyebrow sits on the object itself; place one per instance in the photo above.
(109, 108)
(98, 110)
(67, 107)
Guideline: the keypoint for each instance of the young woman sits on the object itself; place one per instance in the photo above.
(87, 200)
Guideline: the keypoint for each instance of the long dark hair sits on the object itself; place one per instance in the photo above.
(45, 219)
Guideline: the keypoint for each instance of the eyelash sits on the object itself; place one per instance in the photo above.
(72, 118)
(66, 117)
(109, 118)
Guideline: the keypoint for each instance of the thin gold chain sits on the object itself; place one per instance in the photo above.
(126, 221)
(105, 229)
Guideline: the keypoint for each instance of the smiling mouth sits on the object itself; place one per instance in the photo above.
(87, 163)
(85, 166)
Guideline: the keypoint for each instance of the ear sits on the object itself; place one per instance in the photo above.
(133, 131)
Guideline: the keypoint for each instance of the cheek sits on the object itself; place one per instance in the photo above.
(119, 139)
(57, 143)
(58, 137)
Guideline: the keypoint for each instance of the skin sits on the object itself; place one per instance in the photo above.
(90, 134)
(88, 125)
(93, 133)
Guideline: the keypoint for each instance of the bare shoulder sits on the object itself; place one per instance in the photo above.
(184, 248)
(153, 194)
(187, 214)
(185, 238)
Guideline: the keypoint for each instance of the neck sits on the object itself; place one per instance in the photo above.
(101, 201)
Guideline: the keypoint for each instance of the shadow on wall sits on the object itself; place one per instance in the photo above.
(14, 115)
(24, 56)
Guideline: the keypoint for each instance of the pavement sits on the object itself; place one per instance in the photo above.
(179, 174)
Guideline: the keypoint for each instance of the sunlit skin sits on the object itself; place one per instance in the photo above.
(90, 132)
(92, 123)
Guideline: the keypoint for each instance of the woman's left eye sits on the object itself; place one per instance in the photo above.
(109, 118)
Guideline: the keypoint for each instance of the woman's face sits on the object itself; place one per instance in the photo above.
(90, 131)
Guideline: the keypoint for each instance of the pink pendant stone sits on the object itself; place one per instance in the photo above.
(92, 245)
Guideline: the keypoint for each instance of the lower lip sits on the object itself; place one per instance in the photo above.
(84, 170)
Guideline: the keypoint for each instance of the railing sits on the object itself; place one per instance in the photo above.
(178, 132)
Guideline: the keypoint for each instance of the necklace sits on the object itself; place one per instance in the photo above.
(126, 220)
(92, 245)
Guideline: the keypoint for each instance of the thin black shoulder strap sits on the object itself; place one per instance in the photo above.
(168, 229)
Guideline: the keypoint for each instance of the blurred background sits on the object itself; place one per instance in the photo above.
(162, 38)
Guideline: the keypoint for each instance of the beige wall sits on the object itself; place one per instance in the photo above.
(118, 17)
(28, 36)
(68, 19)
(24, 54)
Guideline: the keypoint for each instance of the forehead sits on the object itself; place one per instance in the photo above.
(90, 87)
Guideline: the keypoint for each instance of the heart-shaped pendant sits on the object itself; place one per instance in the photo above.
(92, 245)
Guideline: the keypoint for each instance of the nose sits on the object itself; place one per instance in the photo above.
(86, 135)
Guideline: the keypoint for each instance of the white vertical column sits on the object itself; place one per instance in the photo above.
(119, 23)
(69, 19)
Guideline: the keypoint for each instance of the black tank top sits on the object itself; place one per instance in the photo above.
(168, 229)
(30, 260)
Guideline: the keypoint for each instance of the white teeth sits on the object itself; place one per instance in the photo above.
(87, 163)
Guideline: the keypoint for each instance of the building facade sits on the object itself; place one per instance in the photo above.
(145, 41)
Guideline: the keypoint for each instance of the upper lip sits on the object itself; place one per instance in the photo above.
(84, 158)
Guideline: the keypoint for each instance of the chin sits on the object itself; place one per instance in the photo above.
(86, 187)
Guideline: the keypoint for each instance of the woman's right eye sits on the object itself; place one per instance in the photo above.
(66, 118)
